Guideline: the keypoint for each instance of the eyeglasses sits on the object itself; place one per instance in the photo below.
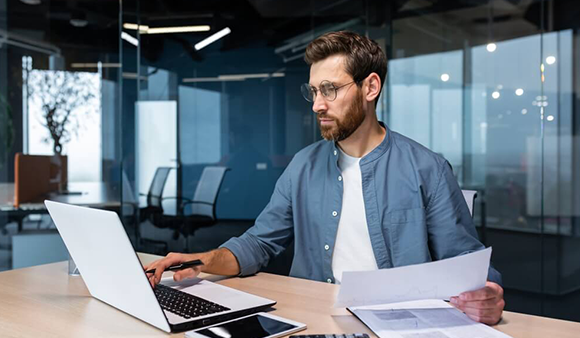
(327, 89)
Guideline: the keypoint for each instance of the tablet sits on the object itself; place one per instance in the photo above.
(257, 325)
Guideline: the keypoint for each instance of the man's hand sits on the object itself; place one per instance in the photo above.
(173, 259)
(484, 305)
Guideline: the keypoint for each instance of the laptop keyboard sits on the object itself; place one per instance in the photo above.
(184, 304)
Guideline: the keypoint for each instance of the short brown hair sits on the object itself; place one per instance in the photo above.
(363, 55)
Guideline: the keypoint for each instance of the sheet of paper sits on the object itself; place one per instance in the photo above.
(422, 319)
(434, 280)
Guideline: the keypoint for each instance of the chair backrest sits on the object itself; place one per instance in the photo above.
(155, 192)
(207, 190)
(470, 196)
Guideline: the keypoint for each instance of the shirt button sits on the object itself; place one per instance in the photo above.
(335, 153)
(329, 280)
(326, 247)
(334, 213)
(340, 178)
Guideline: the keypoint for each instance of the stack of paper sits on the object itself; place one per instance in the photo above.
(407, 302)
(422, 319)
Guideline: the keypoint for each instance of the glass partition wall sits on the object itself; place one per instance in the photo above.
(489, 85)
(59, 92)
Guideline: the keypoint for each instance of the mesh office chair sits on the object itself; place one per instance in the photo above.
(198, 212)
(153, 212)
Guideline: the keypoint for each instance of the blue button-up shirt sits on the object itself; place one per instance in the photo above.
(414, 208)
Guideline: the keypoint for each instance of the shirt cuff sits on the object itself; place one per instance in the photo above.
(240, 248)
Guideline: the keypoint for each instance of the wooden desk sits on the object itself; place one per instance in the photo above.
(44, 301)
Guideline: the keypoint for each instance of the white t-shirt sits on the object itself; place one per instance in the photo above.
(352, 250)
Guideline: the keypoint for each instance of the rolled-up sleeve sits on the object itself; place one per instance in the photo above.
(270, 235)
(450, 226)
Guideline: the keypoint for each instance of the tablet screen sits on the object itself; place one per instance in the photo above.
(253, 326)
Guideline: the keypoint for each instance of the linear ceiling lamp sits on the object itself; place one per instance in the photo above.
(130, 39)
(182, 29)
(212, 38)
(234, 77)
(144, 29)
(95, 65)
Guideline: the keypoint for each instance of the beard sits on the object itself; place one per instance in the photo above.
(342, 129)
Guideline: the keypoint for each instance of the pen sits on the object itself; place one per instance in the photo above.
(181, 266)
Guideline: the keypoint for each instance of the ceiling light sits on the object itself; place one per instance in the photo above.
(78, 19)
(95, 65)
(491, 47)
(181, 29)
(130, 39)
(444, 77)
(550, 118)
(234, 77)
(495, 95)
(519, 92)
(31, 2)
(144, 29)
(212, 38)
(550, 60)
(134, 27)
(524, 111)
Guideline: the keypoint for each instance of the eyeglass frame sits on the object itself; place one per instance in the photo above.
(316, 90)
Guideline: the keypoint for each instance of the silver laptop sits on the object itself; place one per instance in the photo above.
(98, 243)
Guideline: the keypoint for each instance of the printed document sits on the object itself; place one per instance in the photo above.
(434, 280)
(422, 319)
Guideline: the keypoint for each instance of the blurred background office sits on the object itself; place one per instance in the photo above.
(181, 115)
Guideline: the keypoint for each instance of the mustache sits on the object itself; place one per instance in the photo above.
(325, 117)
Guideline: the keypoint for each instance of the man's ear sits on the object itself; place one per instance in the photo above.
(373, 87)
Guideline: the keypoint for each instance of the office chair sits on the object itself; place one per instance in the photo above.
(153, 212)
(198, 212)
(470, 196)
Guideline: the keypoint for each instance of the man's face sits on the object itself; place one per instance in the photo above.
(340, 118)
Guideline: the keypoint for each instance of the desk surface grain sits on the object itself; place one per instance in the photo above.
(43, 301)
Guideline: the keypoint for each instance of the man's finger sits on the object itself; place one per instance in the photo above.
(480, 312)
(485, 320)
(481, 294)
(476, 304)
(183, 274)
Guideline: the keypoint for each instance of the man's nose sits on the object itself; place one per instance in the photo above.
(319, 104)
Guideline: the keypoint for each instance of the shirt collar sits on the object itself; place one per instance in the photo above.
(374, 154)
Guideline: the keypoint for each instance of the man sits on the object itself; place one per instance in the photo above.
(362, 199)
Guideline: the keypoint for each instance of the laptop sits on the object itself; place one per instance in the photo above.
(113, 274)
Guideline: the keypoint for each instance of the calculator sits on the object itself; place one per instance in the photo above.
(342, 335)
